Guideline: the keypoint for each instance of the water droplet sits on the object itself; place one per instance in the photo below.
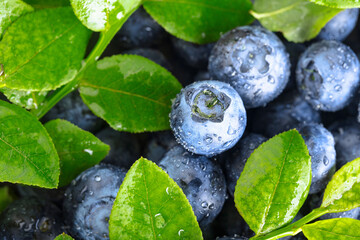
(231, 131)
(97, 178)
(204, 204)
(271, 79)
(338, 88)
(326, 161)
(159, 220)
(180, 232)
(208, 140)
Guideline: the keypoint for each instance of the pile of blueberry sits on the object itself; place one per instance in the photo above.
(239, 92)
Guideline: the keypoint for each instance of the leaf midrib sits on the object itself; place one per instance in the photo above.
(276, 186)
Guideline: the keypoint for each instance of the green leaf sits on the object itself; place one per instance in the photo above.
(274, 183)
(150, 205)
(99, 15)
(27, 154)
(333, 229)
(298, 20)
(10, 10)
(199, 21)
(42, 50)
(27, 99)
(63, 236)
(338, 3)
(343, 191)
(5, 197)
(130, 92)
(78, 149)
(39, 4)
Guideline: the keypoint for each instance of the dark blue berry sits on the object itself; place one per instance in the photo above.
(74, 110)
(340, 26)
(254, 61)
(327, 75)
(30, 218)
(201, 180)
(124, 147)
(89, 200)
(321, 145)
(208, 117)
(236, 159)
(158, 145)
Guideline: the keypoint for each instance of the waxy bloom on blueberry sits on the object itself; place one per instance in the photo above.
(208, 117)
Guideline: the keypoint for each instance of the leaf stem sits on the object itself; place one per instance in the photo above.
(294, 228)
(104, 40)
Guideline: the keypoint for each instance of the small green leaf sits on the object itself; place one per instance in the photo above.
(338, 3)
(78, 149)
(42, 50)
(343, 191)
(39, 4)
(199, 21)
(27, 154)
(26, 99)
(130, 92)
(298, 20)
(5, 197)
(274, 183)
(333, 229)
(99, 15)
(63, 236)
(150, 205)
(10, 10)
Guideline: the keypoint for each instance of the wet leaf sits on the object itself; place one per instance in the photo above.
(78, 150)
(63, 236)
(42, 50)
(333, 229)
(130, 92)
(150, 205)
(199, 21)
(274, 183)
(343, 191)
(5, 197)
(99, 15)
(27, 154)
(26, 99)
(298, 20)
(338, 3)
(10, 10)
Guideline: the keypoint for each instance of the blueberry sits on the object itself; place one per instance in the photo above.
(74, 110)
(254, 61)
(159, 144)
(327, 75)
(235, 161)
(347, 141)
(340, 26)
(124, 147)
(194, 55)
(201, 180)
(89, 199)
(321, 145)
(208, 117)
(51, 195)
(152, 54)
(30, 218)
(286, 112)
(140, 30)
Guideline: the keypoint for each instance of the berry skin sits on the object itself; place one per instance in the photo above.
(340, 26)
(194, 55)
(140, 30)
(151, 54)
(74, 110)
(208, 117)
(30, 218)
(124, 147)
(327, 75)
(254, 61)
(321, 145)
(235, 162)
(285, 113)
(89, 200)
(201, 180)
(158, 145)
(347, 141)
